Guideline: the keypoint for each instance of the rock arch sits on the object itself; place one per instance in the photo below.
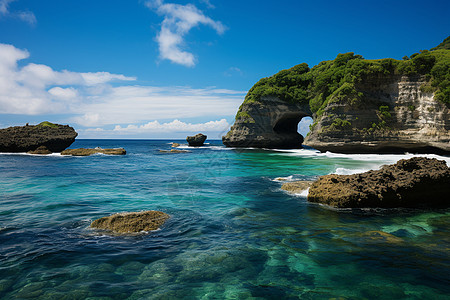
(271, 123)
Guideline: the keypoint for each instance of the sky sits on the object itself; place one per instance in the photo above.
(168, 69)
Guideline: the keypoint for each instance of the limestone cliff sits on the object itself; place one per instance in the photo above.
(393, 116)
(358, 105)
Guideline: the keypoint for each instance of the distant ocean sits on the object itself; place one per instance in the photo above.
(233, 233)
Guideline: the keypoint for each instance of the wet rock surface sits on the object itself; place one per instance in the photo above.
(196, 140)
(91, 151)
(415, 182)
(54, 137)
(132, 222)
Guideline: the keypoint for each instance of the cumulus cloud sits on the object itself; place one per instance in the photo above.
(100, 98)
(178, 21)
(174, 126)
(26, 16)
(36, 89)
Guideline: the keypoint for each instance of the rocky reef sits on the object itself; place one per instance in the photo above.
(132, 222)
(416, 182)
(91, 151)
(196, 140)
(357, 106)
(54, 137)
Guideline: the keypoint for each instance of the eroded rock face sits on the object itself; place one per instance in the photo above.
(416, 182)
(90, 151)
(132, 222)
(394, 116)
(268, 123)
(196, 140)
(55, 138)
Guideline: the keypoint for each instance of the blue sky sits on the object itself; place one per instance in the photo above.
(166, 69)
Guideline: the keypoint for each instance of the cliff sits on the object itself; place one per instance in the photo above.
(54, 137)
(358, 105)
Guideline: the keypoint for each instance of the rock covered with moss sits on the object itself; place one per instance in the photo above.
(416, 182)
(54, 137)
(357, 105)
(132, 222)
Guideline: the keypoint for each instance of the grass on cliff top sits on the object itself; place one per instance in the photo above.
(47, 124)
(335, 80)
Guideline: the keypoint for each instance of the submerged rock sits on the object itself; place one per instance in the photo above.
(415, 182)
(296, 187)
(42, 150)
(54, 137)
(88, 151)
(132, 221)
(175, 145)
(196, 140)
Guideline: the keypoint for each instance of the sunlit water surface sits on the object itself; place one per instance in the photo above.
(233, 234)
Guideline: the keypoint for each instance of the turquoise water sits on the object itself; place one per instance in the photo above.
(233, 234)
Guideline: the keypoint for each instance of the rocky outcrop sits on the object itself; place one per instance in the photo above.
(175, 145)
(196, 140)
(54, 137)
(296, 187)
(42, 150)
(268, 123)
(416, 182)
(132, 222)
(357, 105)
(393, 115)
(90, 151)
(174, 151)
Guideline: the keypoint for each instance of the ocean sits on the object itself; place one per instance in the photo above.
(233, 233)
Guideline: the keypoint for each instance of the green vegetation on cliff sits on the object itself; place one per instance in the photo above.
(47, 124)
(336, 80)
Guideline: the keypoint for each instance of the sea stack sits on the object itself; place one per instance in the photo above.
(196, 140)
(54, 137)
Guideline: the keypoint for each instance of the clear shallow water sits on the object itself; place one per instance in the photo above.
(233, 233)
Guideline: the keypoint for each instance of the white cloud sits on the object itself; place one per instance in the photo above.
(175, 126)
(91, 100)
(178, 21)
(23, 90)
(26, 16)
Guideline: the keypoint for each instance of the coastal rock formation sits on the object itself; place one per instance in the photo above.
(416, 182)
(90, 151)
(54, 137)
(175, 145)
(395, 115)
(268, 123)
(357, 106)
(131, 222)
(42, 150)
(296, 187)
(174, 151)
(196, 140)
